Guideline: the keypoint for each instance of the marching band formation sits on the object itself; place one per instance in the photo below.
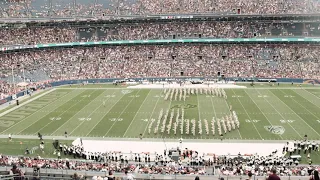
(180, 94)
(170, 120)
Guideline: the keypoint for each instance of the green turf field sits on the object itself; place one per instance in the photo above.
(264, 112)
(17, 147)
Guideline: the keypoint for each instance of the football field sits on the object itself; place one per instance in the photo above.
(268, 113)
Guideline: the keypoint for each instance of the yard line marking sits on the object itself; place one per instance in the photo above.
(261, 110)
(297, 114)
(51, 121)
(122, 112)
(308, 99)
(198, 107)
(312, 94)
(104, 115)
(151, 114)
(136, 114)
(214, 109)
(162, 117)
(280, 113)
(305, 99)
(26, 102)
(229, 114)
(247, 114)
(78, 113)
(35, 112)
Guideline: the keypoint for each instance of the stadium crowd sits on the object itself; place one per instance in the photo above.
(226, 165)
(142, 31)
(270, 61)
(36, 8)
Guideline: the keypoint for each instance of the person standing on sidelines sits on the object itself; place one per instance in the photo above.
(10, 137)
(273, 176)
(314, 175)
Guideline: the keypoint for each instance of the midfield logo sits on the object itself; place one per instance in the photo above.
(275, 129)
(126, 91)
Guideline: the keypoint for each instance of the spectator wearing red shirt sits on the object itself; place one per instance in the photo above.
(273, 176)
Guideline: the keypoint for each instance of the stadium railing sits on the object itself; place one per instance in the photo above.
(165, 41)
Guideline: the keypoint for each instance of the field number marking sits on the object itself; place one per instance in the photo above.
(115, 119)
(252, 121)
(84, 119)
(286, 121)
(55, 118)
(289, 96)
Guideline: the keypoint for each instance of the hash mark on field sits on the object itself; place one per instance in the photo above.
(136, 114)
(260, 109)
(34, 113)
(298, 115)
(122, 112)
(104, 115)
(281, 114)
(150, 116)
(65, 112)
(248, 116)
(76, 114)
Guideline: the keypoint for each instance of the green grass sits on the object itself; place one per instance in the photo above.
(17, 147)
(13, 104)
(80, 112)
(127, 113)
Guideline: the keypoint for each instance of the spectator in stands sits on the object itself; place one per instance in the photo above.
(249, 176)
(127, 176)
(111, 176)
(315, 175)
(273, 176)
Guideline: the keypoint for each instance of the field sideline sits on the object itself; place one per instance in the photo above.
(275, 113)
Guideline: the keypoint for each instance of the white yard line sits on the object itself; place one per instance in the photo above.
(104, 115)
(136, 114)
(298, 115)
(214, 109)
(247, 114)
(35, 112)
(57, 116)
(305, 99)
(230, 113)
(168, 114)
(279, 112)
(152, 114)
(79, 112)
(28, 101)
(261, 110)
(199, 109)
(121, 113)
(312, 94)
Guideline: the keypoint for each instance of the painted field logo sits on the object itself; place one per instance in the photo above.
(275, 129)
(126, 91)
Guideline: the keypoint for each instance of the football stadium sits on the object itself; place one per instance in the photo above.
(169, 89)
